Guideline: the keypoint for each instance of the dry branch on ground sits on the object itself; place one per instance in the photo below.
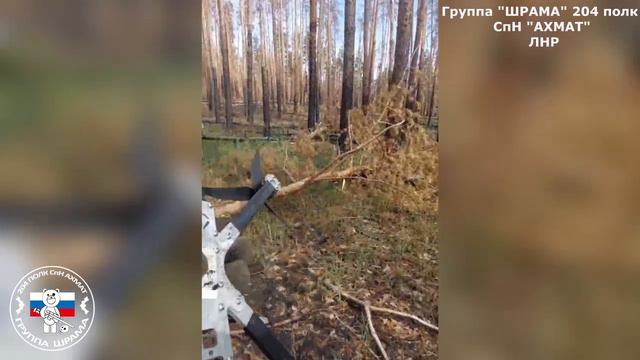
(368, 308)
(235, 207)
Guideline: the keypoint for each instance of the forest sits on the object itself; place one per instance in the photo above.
(313, 61)
(340, 98)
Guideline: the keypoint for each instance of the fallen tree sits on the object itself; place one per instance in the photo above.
(231, 208)
(403, 166)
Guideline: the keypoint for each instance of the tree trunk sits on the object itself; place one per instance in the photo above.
(365, 54)
(249, 60)
(417, 54)
(294, 57)
(372, 48)
(432, 95)
(403, 41)
(329, 50)
(266, 113)
(347, 72)
(206, 55)
(391, 37)
(281, 34)
(226, 81)
(320, 53)
(277, 33)
(313, 114)
(215, 95)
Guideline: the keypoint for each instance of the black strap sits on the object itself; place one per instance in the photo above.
(266, 340)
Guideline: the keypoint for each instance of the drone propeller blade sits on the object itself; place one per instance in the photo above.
(256, 171)
(238, 193)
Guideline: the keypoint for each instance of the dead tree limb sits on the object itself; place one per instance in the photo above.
(361, 303)
(372, 330)
(235, 207)
(340, 158)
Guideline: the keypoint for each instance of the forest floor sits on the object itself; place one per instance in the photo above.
(344, 234)
(283, 126)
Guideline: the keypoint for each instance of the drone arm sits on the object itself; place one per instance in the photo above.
(270, 187)
(266, 341)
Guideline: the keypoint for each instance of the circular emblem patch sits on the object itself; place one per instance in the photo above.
(52, 308)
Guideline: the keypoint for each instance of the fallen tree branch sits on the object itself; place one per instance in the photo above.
(340, 158)
(235, 207)
(406, 315)
(352, 330)
(317, 132)
(361, 303)
(372, 330)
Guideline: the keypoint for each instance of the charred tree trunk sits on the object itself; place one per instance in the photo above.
(215, 97)
(266, 112)
(347, 72)
(226, 81)
(249, 59)
(403, 41)
(312, 117)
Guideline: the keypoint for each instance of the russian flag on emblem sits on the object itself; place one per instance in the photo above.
(66, 306)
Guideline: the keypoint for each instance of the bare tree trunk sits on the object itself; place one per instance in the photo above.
(226, 81)
(391, 37)
(266, 112)
(206, 55)
(304, 54)
(320, 54)
(264, 49)
(236, 86)
(281, 69)
(215, 95)
(347, 72)
(249, 60)
(421, 92)
(329, 52)
(365, 54)
(403, 41)
(296, 52)
(417, 53)
(432, 95)
(286, 60)
(372, 48)
(209, 91)
(313, 114)
(420, 83)
(277, 33)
